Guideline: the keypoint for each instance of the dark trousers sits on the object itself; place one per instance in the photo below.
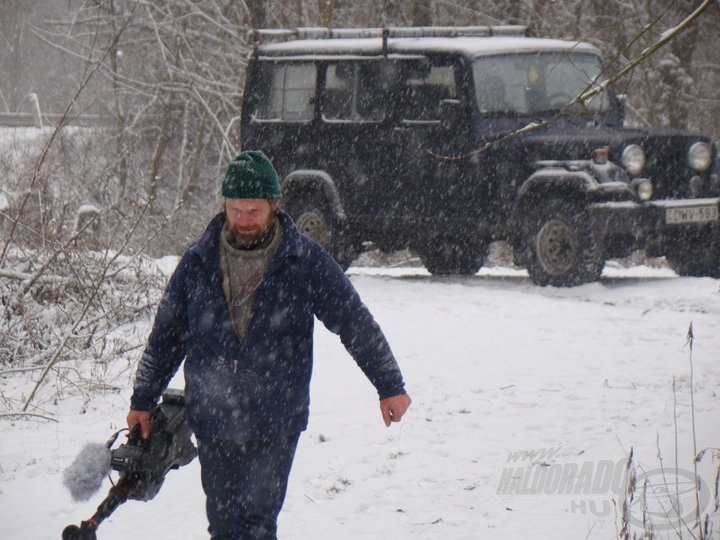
(245, 485)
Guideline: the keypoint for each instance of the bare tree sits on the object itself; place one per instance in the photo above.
(325, 12)
(422, 12)
(169, 76)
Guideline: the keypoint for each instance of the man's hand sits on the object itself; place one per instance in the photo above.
(394, 407)
(140, 417)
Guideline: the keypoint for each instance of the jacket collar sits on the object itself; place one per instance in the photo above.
(291, 244)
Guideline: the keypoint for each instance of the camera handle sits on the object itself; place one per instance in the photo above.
(117, 495)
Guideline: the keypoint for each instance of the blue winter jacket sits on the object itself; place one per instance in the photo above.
(256, 387)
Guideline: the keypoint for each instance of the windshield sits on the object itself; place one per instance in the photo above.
(536, 82)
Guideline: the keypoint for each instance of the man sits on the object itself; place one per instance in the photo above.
(239, 310)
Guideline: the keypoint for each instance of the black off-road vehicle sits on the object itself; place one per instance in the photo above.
(446, 139)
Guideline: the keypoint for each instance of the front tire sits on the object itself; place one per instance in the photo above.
(563, 248)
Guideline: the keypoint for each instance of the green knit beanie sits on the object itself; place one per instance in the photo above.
(251, 176)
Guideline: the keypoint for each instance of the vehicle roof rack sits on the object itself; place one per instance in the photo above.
(265, 35)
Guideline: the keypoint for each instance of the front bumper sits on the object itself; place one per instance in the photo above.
(651, 222)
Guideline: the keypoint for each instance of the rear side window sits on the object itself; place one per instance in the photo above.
(354, 91)
(285, 91)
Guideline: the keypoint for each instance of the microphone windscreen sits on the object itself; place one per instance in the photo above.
(86, 474)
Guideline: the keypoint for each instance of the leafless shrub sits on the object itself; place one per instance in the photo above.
(665, 491)
(82, 310)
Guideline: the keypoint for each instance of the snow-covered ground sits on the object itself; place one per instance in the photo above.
(527, 402)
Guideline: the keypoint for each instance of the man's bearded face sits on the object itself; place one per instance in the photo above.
(250, 219)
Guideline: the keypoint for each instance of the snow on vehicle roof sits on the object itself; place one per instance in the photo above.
(468, 46)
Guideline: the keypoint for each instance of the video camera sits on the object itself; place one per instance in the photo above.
(143, 463)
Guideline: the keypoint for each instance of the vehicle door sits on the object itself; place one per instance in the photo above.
(354, 137)
(435, 184)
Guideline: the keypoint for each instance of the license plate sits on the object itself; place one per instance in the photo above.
(691, 214)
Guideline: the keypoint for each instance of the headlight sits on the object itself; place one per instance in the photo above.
(643, 188)
(699, 157)
(633, 159)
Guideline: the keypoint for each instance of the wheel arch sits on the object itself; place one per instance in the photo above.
(572, 186)
(306, 180)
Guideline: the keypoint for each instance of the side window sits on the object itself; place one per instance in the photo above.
(337, 102)
(286, 91)
(426, 86)
(354, 92)
(502, 83)
(371, 91)
(492, 95)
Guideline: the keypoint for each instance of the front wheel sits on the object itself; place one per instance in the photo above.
(563, 248)
(314, 220)
(695, 254)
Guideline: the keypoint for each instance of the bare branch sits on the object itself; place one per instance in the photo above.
(593, 87)
(667, 36)
(71, 333)
(28, 414)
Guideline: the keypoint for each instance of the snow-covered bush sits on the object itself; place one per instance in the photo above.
(65, 315)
